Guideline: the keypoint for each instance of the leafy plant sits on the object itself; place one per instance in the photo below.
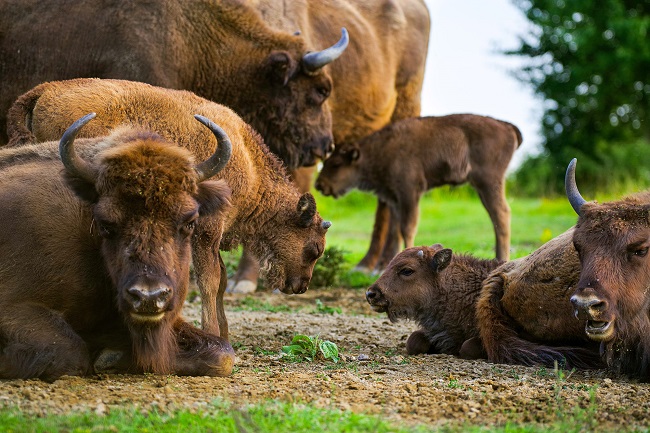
(325, 309)
(305, 348)
(329, 268)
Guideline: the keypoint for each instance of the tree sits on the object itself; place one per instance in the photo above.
(590, 63)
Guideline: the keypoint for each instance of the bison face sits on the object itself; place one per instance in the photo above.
(613, 293)
(341, 172)
(409, 286)
(292, 246)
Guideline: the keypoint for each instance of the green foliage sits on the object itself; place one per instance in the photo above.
(326, 309)
(305, 348)
(329, 268)
(589, 62)
(250, 303)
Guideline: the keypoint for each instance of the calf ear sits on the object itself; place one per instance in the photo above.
(306, 209)
(82, 188)
(441, 259)
(213, 197)
(280, 66)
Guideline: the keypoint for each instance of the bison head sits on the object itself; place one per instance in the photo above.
(288, 109)
(341, 172)
(146, 196)
(612, 240)
(294, 241)
(407, 288)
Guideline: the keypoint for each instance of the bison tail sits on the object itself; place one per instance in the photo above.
(505, 346)
(517, 132)
(19, 118)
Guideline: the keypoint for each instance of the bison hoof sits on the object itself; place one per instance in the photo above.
(243, 286)
(107, 361)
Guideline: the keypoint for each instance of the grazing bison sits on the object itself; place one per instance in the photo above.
(268, 214)
(613, 293)
(524, 315)
(406, 158)
(96, 253)
(437, 290)
(221, 50)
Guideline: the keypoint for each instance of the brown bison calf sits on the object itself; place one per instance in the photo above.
(524, 314)
(404, 159)
(612, 294)
(96, 253)
(268, 214)
(437, 290)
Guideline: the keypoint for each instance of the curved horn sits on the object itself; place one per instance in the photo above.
(219, 159)
(326, 224)
(71, 161)
(317, 59)
(572, 192)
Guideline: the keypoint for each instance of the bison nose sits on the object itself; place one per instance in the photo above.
(373, 294)
(322, 187)
(145, 299)
(587, 305)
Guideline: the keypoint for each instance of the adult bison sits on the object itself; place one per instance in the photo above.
(96, 254)
(613, 292)
(268, 214)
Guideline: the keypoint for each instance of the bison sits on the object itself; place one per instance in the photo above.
(524, 315)
(268, 214)
(96, 254)
(612, 294)
(406, 158)
(438, 290)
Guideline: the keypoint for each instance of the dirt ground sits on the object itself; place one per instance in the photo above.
(374, 375)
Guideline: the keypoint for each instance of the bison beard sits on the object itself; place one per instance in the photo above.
(154, 347)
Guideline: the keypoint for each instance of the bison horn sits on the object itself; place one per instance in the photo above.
(317, 59)
(326, 224)
(219, 159)
(572, 192)
(71, 161)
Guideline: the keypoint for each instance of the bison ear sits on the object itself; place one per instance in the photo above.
(441, 259)
(280, 67)
(213, 197)
(82, 188)
(306, 209)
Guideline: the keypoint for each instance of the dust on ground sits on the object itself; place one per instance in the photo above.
(374, 376)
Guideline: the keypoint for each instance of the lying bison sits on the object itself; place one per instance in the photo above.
(524, 314)
(406, 158)
(612, 294)
(437, 290)
(98, 256)
(268, 214)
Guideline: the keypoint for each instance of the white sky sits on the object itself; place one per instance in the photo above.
(465, 72)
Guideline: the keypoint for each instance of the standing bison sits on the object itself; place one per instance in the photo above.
(268, 214)
(406, 158)
(612, 294)
(96, 253)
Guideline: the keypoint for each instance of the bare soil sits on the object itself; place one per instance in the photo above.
(374, 375)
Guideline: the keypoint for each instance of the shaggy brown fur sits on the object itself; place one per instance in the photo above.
(524, 314)
(268, 215)
(406, 158)
(613, 292)
(437, 290)
(108, 270)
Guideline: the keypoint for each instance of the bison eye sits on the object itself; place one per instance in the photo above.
(641, 252)
(405, 272)
(106, 230)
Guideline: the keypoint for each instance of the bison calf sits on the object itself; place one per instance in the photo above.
(437, 290)
(403, 160)
(96, 253)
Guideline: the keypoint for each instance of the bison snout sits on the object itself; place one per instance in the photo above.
(587, 305)
(149, 300)
(376, 299)
(323, 187)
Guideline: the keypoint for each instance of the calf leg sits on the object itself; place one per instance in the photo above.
(206, 259)
(248, 271)
(378, 239)
(201, 353)
(409, 214)
(37, 342)
(493, 197)
(393, 242)
(418, 343)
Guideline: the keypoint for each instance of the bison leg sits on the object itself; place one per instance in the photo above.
(201, 353)
(393, 242)
(38, 342)
(409, 214)
(493, 197)
(206, 259)
(221, 314)
(248, 271)
(472, 349)
(418, 343)
(378, 239)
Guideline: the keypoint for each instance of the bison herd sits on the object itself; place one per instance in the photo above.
(144, 138)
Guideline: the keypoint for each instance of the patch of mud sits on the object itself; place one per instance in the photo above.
(374, 375)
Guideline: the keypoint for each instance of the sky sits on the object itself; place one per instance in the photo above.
(465, 73)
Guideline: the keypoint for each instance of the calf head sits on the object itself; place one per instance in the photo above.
(409, 283)
(341, 172)
(612, 240)
(293, 243)
(290, 109)
(146, 196)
